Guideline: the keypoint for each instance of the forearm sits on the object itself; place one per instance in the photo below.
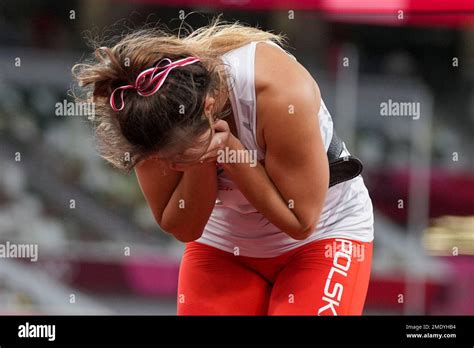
(191, 203)
(261, 192)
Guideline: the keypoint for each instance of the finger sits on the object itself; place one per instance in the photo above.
(221, 126)
(177, 167)
(208, 158)
(182, 166)
(218, 142)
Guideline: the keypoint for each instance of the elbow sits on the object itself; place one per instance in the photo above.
(184, 234)
(188, 236)
(304, 232)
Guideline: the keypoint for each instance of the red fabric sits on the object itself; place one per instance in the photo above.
(361, 6)
(452, 13)
(327, 277)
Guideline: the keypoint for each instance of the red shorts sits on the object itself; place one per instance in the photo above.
(325, 277)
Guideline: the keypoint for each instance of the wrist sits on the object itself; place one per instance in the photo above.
(232, 144)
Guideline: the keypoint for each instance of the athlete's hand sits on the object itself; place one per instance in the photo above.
(220, 139)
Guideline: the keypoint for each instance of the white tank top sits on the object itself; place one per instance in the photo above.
(235, 225)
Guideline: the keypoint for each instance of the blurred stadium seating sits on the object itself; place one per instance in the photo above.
(100, 250)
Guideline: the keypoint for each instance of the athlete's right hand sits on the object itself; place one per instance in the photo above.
(190, 157)
(220, 139)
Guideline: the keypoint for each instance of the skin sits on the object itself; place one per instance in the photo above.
(289, 190)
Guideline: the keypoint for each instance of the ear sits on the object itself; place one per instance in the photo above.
(209, 104)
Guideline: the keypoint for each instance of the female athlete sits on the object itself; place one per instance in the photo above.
(237, 157)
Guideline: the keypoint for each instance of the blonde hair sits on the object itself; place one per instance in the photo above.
(147, 124)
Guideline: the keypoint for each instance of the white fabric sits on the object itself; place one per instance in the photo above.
(236, 226)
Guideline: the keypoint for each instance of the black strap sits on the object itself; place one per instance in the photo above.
(335, 147)
(341, 168)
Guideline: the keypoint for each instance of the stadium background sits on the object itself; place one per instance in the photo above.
(100, 250)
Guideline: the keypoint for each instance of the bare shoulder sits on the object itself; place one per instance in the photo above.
(282, 84)
(276, 70)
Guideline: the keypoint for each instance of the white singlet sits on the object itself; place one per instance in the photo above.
(235, 225)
